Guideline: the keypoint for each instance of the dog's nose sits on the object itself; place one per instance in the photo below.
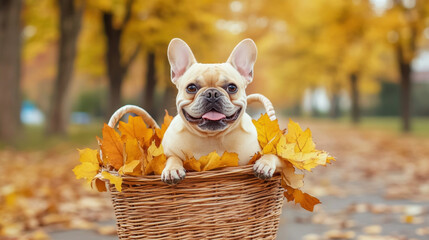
(212, 94)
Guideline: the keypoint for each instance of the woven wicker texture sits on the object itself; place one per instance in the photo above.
(230, 203)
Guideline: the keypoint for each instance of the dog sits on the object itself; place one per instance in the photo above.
(211, 105)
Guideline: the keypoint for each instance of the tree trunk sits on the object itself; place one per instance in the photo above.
(335, 102)
(170, 92)
(115, 70)
(10, 68)
(355, 98)
(405, 73)
(148, 99)
(70, 25)
(406, 96)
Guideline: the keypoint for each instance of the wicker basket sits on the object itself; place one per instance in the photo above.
(230, 203)
(226, 204)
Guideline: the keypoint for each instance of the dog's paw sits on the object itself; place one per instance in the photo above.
(263, 169)
(173, 176)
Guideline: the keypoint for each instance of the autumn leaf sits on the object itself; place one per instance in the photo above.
(255, 158)
(155, 159)
(161, 131)
(305, 200)
(137, 129)
(191, 164)
(133, 157)
(112, 147)
(131, 168)
(115, 180)
(269, 133)
(291, 178)
(99, 184)
(89, 166)
(298, 148)
(303, 139)
(226, 160)
(211, 161)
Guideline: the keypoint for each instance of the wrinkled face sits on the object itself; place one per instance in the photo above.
(211, 97)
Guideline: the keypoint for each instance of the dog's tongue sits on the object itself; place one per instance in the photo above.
(213, 116)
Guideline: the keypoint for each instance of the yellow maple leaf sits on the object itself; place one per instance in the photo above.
(159, 132)
(115, 180)
(226, 160)
(291, 178)
(269, 133)
(305, 200)
(191, 164)
(303, 139)
(137, 129)
(112, 147)
(155, 159)
(131, 168)
(89, 166)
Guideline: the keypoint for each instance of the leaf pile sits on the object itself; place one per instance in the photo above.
(137, 151)
(297, 151)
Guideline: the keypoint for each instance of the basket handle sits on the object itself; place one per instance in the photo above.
(132, 109)
(256, 97)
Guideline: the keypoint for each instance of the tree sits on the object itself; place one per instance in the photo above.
(405, 28)
(116, 66)
(70, 24)
(10, 68)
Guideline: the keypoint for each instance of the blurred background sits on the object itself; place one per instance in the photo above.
(355, 71)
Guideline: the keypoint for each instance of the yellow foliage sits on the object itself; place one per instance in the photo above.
(129, 154)
(115, 180)
(89, 166)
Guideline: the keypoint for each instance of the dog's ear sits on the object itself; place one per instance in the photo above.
(243, 58)
(180, 57)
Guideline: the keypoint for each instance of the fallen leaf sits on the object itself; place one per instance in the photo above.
(337, 234)
(107, 230)
(372, 229)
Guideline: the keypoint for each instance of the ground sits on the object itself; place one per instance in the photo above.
(378, 189)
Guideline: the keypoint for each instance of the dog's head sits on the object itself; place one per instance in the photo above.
(211, 97)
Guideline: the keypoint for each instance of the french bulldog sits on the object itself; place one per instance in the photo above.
(211, 105)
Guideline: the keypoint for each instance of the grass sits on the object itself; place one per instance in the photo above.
(419, 125)
(35, 138)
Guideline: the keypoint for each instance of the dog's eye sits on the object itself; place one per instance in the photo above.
(232, 88)
(191, 88)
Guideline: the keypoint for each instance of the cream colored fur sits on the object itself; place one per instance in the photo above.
(184, 139)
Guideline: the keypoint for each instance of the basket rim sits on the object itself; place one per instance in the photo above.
(245, 169)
